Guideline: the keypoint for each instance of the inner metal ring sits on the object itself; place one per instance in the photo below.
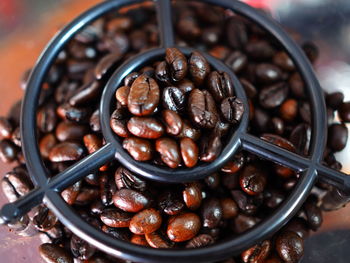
(155, 172)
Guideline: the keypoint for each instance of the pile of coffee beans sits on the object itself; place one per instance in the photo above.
(190, 215)
(169, 113)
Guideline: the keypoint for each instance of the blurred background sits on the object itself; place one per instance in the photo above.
(26, 27)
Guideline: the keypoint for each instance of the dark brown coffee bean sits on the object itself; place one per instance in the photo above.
(257, 253)
(210, 148)
(44, 219)
(145, 222)
(289, 110)
(220, 52)
(145, 127)
(211, 212)
(268, 73)
(74, 114)
(202, 240)
(273, 96)
(173, 99)
(66, 131)
(249, 88)
(334, 100)
(283, 60)
(81, 249)
(70, 194)
(299, 226)
(189, 132)
(115, 218)
(130, 78)
(297, 85)
(6, 128)
(220, 85)
(300, 136)
(229, 208)
(212, 180)
(9, 190)
(66, 151)
(117, 43)
(344, 112)
(259, 50)
(289, 246)
(46, 118)
(313, 214)
(107, 188)
(86, 94)
(192, 196)
(8, 151)
(118, 123)
(279, 141)
(162, 73)
(16, 137)
(222, 128)
(202, 109)
(237, 61)
(122, 94)
(337, 137)
(106, 65)
(183, 227)
(277, 125)
(118, 233)
(125, 179)
(177, 63)
(140, 240)
(169, 151)
(185, 85)
(95, 121)
(139, 149)
(199, 68)
(232, 109)
(189, 152)
(87, 195)
(252, 180)
(173, 122)
(54, 253)
(130, 200)
(234, 165)
(242, 223)
(143, 96)
(158, 240)
(92, 142)
(236, 33)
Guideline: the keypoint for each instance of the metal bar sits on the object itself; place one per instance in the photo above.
(333, 177)
(165, 24)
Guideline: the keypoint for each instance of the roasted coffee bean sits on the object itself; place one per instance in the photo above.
(242, 223)
(300, 137)
(210, 148)
(92, 142)
(299, 226)
(259, 50)
(297, 85)
(74, 114)
(143, 96)
(344, 111)
(107, 189)
(130, 200)
(6, 128)
(97, 207)
(139, 240)
(173, 122)
(122, 94)
(170, 204)
(289, 246)
(8, 151)
(220, 85)
(86, 94)
(54, 253)
(162, 73)
(169, 151)
(107, 64)
(279, 141)
(44, 219)
(185, 85)
(95, 121)
(211, 212)
(145, 222)
(252, 180)
(202, 240)
(232, 109)
(305, 111)
(177, 63)
(289, 110)
(334, 100)
(313, 214)
(248, 205)
(125, 179)
(222, 128)
(199, 67)
(46, 118)
(158, 240)
(189, 132)
(220, 52)
(139, 149)
(337, 137)
(273, 96)
(145, 127)
(236, 33)
(192, 196)
(115, 218)
(189, 152)
(237, 61)
(257, 253)
(234, 165)
(130, 78)
(118, 123)
(282, 60)
(66, 151)
(81, 249)
(87, 195)
(260, 120)
(202, 109)
(229, 208)
(118, 233)
(8, 190)
(268, 73)
(173, 99)
(277, 125)
(212, 180)
(16, 137)
(70, 194)
(183, 227)
(70, 131)
(249, 88)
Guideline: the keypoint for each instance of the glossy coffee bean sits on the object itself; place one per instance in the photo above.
(202, 240)
(235, 164)
(92, 142)
(6, 128)
(237, 35)
(106, 64)
(183, 227)
(257, 253)
(139, 149)
(300, 137)
(125, 179)
(130, 200)
(115, 218)
(211, 212)
(259, 50)
(66, 151)
(177, 63)
(344, 112)
(220, 85)
(185, 85)
(289, 110)
(145, 221)
(86, 94)
(139, 240)
(279, 141)
(122, 94)
(130, 78)
(173, 122)
(297, 85)
(173, 99)
(188, 131)
(46, 118)
(268, 73)
(80, 248)
(210, 148)
(299, 226)
(252, 180)
(54, 253)
(199, 67)
(192, 196)
(237, 61)
(313, 214)
(334, 100)
(158, 240)
(143, 96)
(289, 246)
(337, 137)
(169, 151)
(70, 131)
(44, 219)
(8, 151)
(145, 127)
(242, 223)
(162, 73)
(71, 193)
(273, 96)
(118, 233)
(107, 189)
(170, 203)
(232, 109)
(94, 121)
(282, 60)
(229, 208)
(118, 123)
(189, 152)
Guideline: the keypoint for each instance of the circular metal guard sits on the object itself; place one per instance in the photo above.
(47, 189)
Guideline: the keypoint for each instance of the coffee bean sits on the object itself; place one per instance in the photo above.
(125, 179)
(173, 99)
(185, 85)
(301, 138)
(273, 96)
(143, 96)
(220, 52)
(118, 123)
(145, 222)
(220, 85)
(145, 127)
(337, 137)
(279, 141)
(234, 165)
(177, 63)
(106, 65)
(282, 60)
(199, 68)
(114, 218)
(202, 109)
(70, 131)
(236, 33)
(297, 85)
(242, 223)
(169, 151)
(92, 142)
(122, 94)
(130, 78)
(299, 226)
(183, 227)
(54, 253)
(86, 94)
(313, 214)
(257, 253)
(189, 152)
(249, 88)
(95, 121)
(202, 240)
(211, 212)
(229, 208)
(189, 132)
(107, 189)
(252, 180)
(268, 73)
(130, 200)
(259, 50)
(6, 128)
(118, 233)
(289, 110)
(139, 240)
(173, 122)
(8, 151)
(237, 61)
(158, 240)
(232, 109)
(289, 246)
(66, 151)
(70, 194)
(139, 149)
(210, 148)
(46, 118)
(344, 112)
(170, 203)
(81, 249)
(192, 196)
(44, 219)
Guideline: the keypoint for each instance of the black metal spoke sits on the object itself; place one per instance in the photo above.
(165, 24)
(274, 153)
(333, 177)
